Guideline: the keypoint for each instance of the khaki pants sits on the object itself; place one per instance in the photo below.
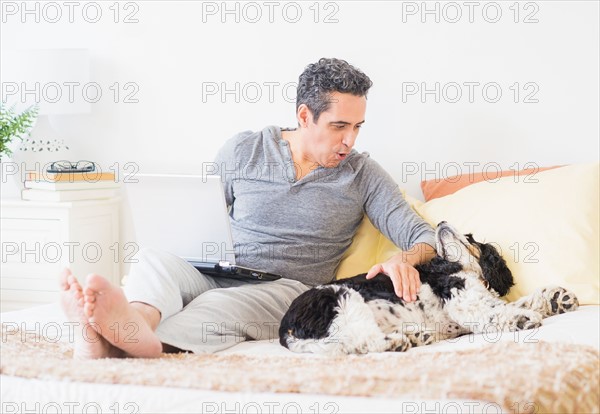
(205, 314)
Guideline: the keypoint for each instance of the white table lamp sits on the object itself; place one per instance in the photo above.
(58, 80)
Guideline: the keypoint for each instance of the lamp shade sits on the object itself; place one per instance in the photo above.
(56, 79)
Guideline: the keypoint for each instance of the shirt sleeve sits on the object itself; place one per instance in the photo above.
(389, 212)
(227, 165)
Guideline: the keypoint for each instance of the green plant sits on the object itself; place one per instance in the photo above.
(14, 125)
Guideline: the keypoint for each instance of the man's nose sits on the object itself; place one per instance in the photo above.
(349, 139)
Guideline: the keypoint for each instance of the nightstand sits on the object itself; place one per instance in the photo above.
(39, 239)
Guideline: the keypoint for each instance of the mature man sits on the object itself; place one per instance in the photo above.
(294, 215)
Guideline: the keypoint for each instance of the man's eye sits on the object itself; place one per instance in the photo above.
(359, 126)
(340, 126)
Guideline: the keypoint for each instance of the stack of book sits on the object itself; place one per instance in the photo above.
(69, 186)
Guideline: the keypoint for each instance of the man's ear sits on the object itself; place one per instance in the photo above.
(303, 115)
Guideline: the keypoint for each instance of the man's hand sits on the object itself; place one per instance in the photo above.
(401, 269)
(404, 277)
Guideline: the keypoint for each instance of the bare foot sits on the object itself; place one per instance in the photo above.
(88, 343)
(117, 321)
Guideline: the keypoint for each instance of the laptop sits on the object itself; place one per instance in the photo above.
(187, 215)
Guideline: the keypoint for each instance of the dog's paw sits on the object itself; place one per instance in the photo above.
(421, 338)
(559, 300)
(398, 342)
(524, 320)
(453, 330)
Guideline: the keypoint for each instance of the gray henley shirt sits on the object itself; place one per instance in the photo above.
(301, 228)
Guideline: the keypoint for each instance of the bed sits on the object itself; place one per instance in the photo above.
(554, 368)
(262, 376)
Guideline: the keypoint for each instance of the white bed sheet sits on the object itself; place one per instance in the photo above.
(20, 395)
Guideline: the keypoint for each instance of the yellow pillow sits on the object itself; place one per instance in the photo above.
(360, 256)
(547, 231)
(369, 247)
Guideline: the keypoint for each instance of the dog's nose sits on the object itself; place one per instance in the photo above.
(441, 222)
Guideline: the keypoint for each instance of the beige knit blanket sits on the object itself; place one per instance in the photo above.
(537, 377)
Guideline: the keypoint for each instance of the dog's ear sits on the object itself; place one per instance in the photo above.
(495, 270)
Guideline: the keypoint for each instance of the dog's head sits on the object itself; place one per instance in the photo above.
(309, 316)
(480, 258)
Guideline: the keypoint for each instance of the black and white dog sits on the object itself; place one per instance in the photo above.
(460, 293)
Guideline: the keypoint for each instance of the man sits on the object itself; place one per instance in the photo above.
(294, 215)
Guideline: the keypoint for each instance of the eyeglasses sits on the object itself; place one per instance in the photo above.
(68, 166)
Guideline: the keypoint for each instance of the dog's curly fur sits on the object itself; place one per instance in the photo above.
(460, 293)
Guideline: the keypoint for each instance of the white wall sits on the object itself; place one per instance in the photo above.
(175, 49)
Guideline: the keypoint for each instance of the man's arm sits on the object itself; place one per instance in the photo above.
(391, 214)
(420, 253)
(227, 164)
(401, 269)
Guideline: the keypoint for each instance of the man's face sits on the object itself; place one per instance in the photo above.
(330, 140)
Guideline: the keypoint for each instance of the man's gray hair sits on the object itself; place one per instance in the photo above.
(319, 80)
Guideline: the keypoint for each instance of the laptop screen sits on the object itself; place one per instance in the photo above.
(182, 214)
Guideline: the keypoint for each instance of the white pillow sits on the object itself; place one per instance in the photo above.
(547, 231)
